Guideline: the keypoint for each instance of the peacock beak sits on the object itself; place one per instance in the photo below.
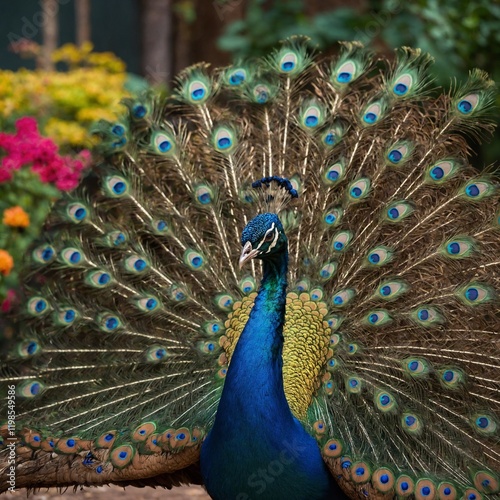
(248, 253)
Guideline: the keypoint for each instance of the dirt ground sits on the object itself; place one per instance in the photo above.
(115, 492)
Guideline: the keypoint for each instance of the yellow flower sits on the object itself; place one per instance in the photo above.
(16, 217)
(6, 262)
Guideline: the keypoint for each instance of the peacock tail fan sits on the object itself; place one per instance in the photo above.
(135, 299)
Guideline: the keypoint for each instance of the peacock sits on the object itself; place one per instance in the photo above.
(281, 282)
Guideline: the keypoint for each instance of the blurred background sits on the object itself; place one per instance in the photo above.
(65, 64)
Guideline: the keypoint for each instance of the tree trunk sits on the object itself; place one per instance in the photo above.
(83, 26)
(50, 29)
(156, 28)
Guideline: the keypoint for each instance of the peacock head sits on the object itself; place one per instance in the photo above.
(262, 238)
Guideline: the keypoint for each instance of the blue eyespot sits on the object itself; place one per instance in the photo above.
(385, 400)
(140, 265)
(448, 375)
(198, 94)
(395, 156)
(453, 248)
(385, 290)
(151, 304)
(120, 238)
(47, 254)
(373, 318)
(161, 225)
(353, 382)
(330, 218)
(311, 121)
(384, 478)
(423, 315)
(360, 471)
(330, 139)
(118, 130)
(425, 491)
(237, 78)
(288, 66)
(109, 437)
(472, 294)
(437, 173)
(374, 258)
(464, 106)
(410, 420)
(370, 118)
(344, 77)
(393, 213)
(111, 323)
(204, 198)
(123, 454)
(104, 279)
(165, 146)
(472, 190)
(139, 111)
(35, 388)
(80, 213)
(356, 192)
(404, 485)
(69, 315)
(338, 245)
(119, 187)
(75, 257)
(40, 306)
(161, 353)
(224, 142)
(400, 89)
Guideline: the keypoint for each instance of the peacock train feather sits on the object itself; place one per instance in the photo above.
(354, 353)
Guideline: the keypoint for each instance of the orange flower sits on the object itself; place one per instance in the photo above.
(16, 217)
(6, 262)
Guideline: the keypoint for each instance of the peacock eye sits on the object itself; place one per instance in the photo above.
(269, 236)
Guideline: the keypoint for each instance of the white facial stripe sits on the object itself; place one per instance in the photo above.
(262, 241)
(273, 244)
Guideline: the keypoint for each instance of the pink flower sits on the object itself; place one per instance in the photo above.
(28, 147)
(9, 302)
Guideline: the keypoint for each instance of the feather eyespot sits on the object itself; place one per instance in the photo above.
(484, 424)
(359, 189)
(99, 279)
(402, 85)
(67, 316)
(44, 254)
(468, 104)
(346, 72)
(148, 304)
(38, 306)
(341, 241)
(343, 297)
(378, 317)
(198, 91)
(72, 256)
(247, 285)
(110, 322)
(116, 186)
(327, 270)
(288, 62)
(30, 389)
(77, 212)
(390, 290)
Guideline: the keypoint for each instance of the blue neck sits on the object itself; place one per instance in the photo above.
(254, 433)
(258, 351)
